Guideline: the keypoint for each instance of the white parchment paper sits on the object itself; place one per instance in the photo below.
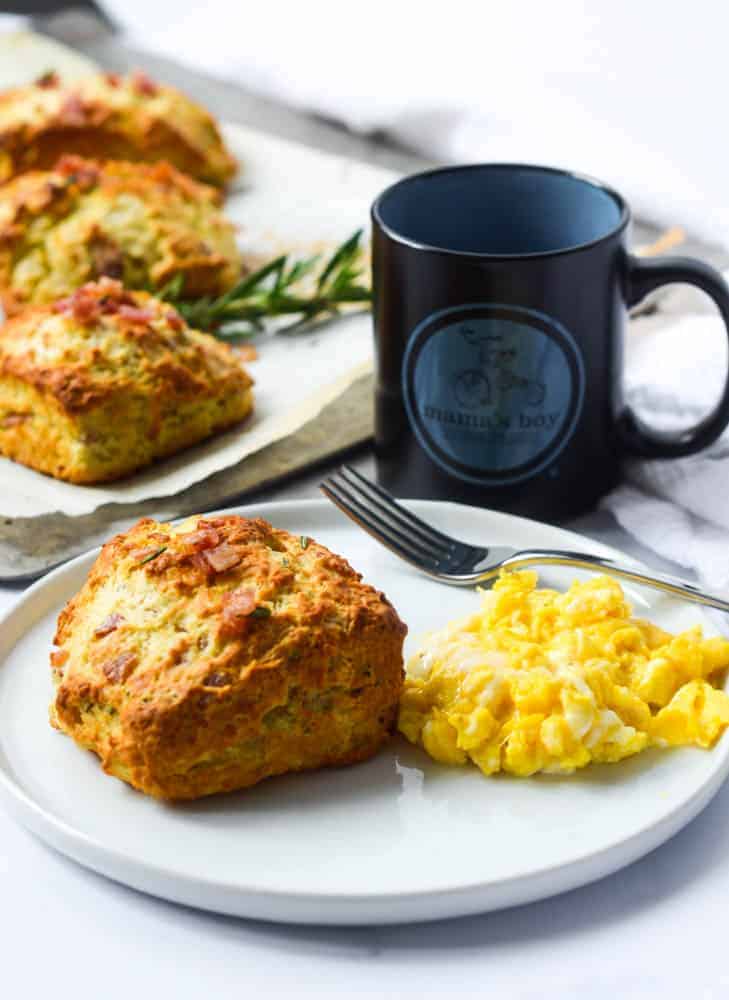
(25, 55)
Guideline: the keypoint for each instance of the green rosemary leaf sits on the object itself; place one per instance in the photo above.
(275, 290)
(301, 268)
(173, 289)
(358, 293)
(152, 555)
(251, 282)
(341, 256)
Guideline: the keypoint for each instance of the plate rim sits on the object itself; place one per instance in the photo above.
(75, 843)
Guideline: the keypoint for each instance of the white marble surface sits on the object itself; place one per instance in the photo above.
(654, 929)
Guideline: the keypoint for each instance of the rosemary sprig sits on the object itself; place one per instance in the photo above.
(271, 292)
(152, 555)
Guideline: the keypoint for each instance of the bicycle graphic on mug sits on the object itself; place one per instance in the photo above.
(475, 387)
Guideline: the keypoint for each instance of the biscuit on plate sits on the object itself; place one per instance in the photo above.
(205, 656)
(142, 224)
(106, 381)
(111, 116)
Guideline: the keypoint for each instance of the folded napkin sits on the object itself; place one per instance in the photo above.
(678, 507)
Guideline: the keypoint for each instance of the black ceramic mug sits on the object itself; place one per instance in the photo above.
(500, 301)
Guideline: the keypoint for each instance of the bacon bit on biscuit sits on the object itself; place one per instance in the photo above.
(75, 170)
(72, 112)
(48, 79)
(200, 562)
(58, 658)
(146, 554)
(113, 79)
(14, 419)
(120, 667)
(221, 522)
(158, 536)
(238, 606)
(144, 84)
(109, 303)
(84, 308)
(103, 297)
(203, 538)
(174, 320)
(222, 558)
(82, 305)
(109, 624)
(136, 314)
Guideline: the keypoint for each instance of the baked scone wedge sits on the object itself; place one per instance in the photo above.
(139, 223)
(111, 117)
(106, 381)
(206, 656)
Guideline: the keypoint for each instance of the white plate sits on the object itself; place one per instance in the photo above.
(398, 838)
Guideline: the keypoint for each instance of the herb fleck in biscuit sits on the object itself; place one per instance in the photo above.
(206, 656)
(106, 381)
(112, 117)
(143, 224)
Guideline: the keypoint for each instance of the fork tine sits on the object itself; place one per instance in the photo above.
(367, 519)
(380, 514)
(359, 507)
(388, 505)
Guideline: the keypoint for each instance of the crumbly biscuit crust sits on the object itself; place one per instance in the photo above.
(139, 223)
(107, 380)
(206, 656)
(116, 117)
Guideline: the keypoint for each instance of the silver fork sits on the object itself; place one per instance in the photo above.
(451, 561)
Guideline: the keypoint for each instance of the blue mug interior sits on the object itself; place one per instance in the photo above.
(500, 210)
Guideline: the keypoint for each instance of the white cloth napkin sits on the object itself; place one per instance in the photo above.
(679, 508)
(633, 93)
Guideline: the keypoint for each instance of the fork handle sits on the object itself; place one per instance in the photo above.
(582, 560)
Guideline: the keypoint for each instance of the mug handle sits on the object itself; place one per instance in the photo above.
(645, 276)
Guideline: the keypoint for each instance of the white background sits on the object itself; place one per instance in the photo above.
(656, 929)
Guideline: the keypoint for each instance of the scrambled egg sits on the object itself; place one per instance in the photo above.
(539, 680)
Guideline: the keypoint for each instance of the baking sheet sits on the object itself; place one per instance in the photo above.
(289, 197)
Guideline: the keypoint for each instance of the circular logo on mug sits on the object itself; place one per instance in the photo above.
(493, 392)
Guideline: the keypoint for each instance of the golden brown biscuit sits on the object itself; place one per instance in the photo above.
(111, 117)
(206, 656)
(104, 382)
(144, 224)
